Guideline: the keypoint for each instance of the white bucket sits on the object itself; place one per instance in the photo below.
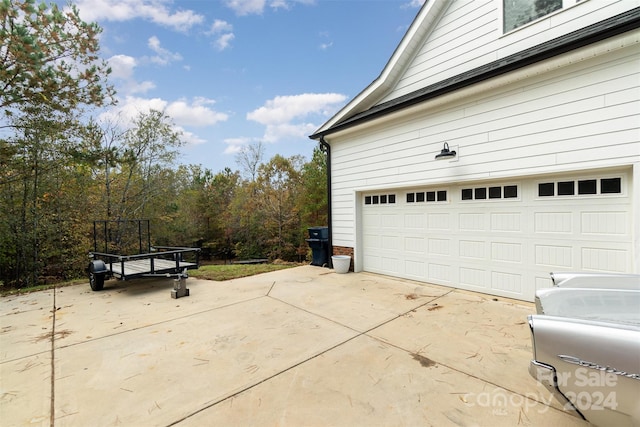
(341, 263)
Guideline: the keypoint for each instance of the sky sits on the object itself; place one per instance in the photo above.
(231, 73)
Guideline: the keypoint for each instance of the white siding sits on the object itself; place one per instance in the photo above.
(582, 116)
(469, 35)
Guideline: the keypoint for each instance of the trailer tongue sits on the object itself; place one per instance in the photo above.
(126, 253)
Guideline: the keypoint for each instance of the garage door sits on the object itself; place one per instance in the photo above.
(501, 238)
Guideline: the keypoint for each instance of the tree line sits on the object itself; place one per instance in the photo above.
(60, 170)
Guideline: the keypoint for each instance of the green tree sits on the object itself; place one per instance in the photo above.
(36, 198)
(246, 222)
(149, 148)
(312, 202)
(279, 185)
(49, 56)
(218, 197)
(49, 72)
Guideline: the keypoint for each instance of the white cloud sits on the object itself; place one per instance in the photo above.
(223, 31)
(327, 36)
(413, 4)
(140, 87)
(278, 132)
(163, 56)
(189, 137)
(130, 107)
(288, 4)
(122, 66)
(234, 145)
(220, 26)
(283, 115)
(256, 7)
(282, 109)
(279, 4)
(156, 11)
(325, 46)
(196, 113)
(246, 7)
(224, 41)
(122, 69)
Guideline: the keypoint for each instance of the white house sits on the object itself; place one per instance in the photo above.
(542, 109)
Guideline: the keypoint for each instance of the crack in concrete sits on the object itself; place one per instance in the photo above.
(52, 408)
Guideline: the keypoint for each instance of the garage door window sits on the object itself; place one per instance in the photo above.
(380, 199)
(611, 185)
(493, 192)
(581, 187)
(427, 196)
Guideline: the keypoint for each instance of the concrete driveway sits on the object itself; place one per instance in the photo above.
(298, 347)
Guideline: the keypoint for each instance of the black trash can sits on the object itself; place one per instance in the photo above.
(319, 243)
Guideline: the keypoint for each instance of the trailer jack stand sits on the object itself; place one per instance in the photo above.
(180, 287)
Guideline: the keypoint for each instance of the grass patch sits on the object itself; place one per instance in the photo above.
(234, 271)
(27, 290)
(209, 272)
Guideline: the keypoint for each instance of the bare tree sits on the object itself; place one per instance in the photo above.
(249, 159)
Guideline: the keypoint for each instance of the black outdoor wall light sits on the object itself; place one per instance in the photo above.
(446, 153)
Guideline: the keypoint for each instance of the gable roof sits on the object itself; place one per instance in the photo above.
(400, 59)
(362, 108)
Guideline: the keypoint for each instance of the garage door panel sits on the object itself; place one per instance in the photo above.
(415, 222)
(370, 221)
(415, 269)
(438, 247)
(473, 222)
(476, 249)
(438, 222)
(388, 221)
(391, 243)
(604, 223)
(439, 273)
(391, 265)
(553, 222)
(503, 247)
(506, 252)
(415, 245)
(371, 261)
(554, 256)
(371, 242)
(604, 259)
(506, 222)
(541, 281)
(473, 277)
(507, 282)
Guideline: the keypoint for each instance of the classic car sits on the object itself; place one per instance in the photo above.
(596, 280)
(586, 345)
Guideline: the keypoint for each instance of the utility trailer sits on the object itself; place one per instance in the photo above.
(122, 250)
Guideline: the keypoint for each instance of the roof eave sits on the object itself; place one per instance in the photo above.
(602, 30)
(400, 58)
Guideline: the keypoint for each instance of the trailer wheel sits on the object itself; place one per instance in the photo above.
(97, 271)
(96, 281)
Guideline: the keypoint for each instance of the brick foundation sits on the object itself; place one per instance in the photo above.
(343, 250)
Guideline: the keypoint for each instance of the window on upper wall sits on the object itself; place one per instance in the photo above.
(517, 13)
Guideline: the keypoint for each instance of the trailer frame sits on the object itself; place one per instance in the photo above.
(149, 261)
